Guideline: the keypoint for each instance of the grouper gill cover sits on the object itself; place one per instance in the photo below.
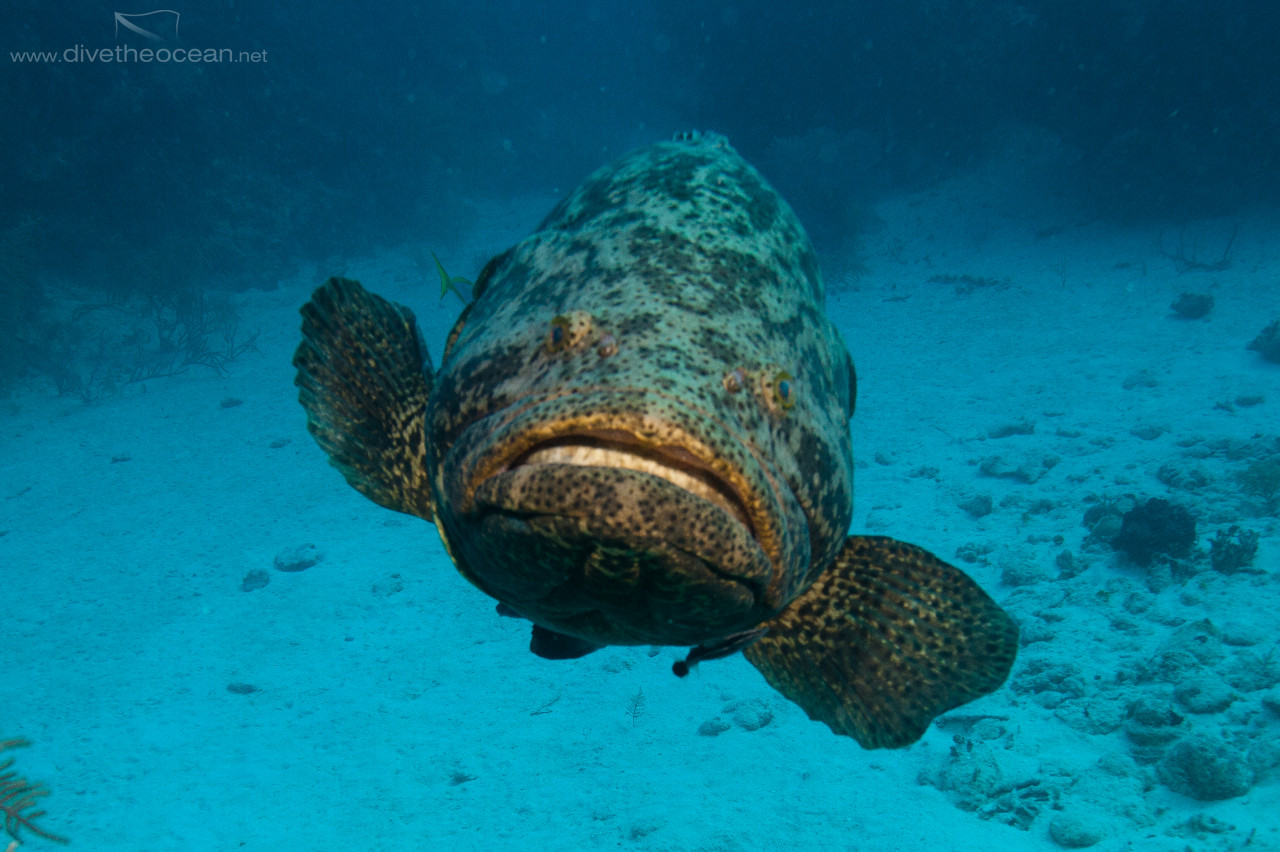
(638, 434)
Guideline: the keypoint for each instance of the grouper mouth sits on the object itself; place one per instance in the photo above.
(622, 519)
(661, 483)
(617, 449)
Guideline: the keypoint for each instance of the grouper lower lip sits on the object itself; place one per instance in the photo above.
(613, 448)
(593, 509)
(627, 489)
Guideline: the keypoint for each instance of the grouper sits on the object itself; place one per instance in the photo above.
(639, 435)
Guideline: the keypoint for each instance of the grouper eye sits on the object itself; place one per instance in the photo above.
(784, 389)
(568, 330)
(558, 334)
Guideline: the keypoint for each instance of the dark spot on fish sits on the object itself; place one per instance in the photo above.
(590, 200)
(486, 274)
(469, 387)
(762, 202)
(626, 217)
(639, 324)
(809, 265)
(743, 279)
(675, 178)
(514, 269)
(716, 344)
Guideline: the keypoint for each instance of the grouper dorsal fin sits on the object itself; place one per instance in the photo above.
(364, 376)
(884, 641)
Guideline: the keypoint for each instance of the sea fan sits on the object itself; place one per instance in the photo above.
(17, 798)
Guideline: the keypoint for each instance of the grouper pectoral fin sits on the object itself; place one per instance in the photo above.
(885, 640)
(364, 376)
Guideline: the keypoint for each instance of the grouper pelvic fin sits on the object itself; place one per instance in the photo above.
(885, 640)
(364, 376)
(551, 645)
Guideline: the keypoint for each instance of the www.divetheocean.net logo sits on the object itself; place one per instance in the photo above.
(156, 31)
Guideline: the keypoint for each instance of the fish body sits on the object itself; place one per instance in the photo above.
(638, 434)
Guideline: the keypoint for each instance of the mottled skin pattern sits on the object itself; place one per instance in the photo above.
(910, 637)
(672, 304)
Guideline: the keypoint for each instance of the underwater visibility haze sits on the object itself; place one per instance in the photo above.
(906, 368)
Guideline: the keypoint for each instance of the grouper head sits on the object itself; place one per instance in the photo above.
(639, 428)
